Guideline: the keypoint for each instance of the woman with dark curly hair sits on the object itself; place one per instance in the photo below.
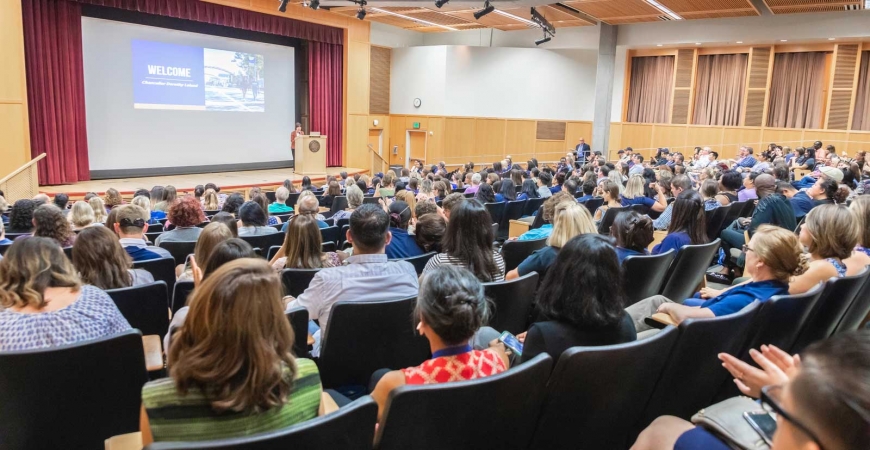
(50, 222)
(185, 214)
(233, 203)
(21, 217)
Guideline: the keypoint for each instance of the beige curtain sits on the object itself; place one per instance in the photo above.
(796, 90)
(719, 89)
(650, 88)
(861, 119)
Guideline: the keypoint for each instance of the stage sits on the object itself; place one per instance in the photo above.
(268, 179)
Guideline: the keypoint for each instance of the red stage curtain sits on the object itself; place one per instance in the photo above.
(56, 89)
(324, 93)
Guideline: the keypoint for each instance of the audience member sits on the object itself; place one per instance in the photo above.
(210, 200)
(21, 216)
(303, 247)
(99, 208)
(354, 200)
(749, 191)
(279, 206)
(232, 204)
(485, 194)
(253, 221)
(402, 244)
(308, 205)
(544, 181)
(113, 198)
(860, 207)
(50, 222)
(450, 202)
(688, 225)
(634, 194)
(548, 211)
(610, 192)
(468, 243)
(145, 203)
(333, 190)
(3, 239)
(185, 214)
(61, 201)
(529, 190)
(679, 184)
(212, 235)
(102, 262)
(157, 193)
(829, 234)
(131, 228)
(261, 200)
(424, 208)
(229, 220)
(633, 233)
(475, 184)
(429, 231)
(82, 216)
(708, 191)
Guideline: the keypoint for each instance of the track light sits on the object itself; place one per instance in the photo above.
(361, 14)
(487, 8)
(440, 3)
(315, 4)
(283, 7)
(543, 40)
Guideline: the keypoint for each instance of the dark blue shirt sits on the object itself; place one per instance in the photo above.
(320, 224)
(402, 245)
(640, 200)
(555, 189)
(801, 203)
(157, 215)
(739, 297)
(674, 241)
(623, 253)
(539, 261)
(499, 198)
(585, 198)
(141, 253)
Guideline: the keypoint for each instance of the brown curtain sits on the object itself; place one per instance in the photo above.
(861, 120)
(721, 80)
(796, 90)
(650, 88)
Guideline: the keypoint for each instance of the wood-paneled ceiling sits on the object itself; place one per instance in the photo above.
(427, 18)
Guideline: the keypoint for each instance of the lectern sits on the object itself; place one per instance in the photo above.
(311, 155)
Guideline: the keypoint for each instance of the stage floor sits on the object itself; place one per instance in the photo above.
(227, 181)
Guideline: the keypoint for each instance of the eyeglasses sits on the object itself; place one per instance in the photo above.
(771, 401)
(746, 248)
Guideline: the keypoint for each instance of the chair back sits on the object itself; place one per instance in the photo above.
(157, 227)
(513, 302)
(646, 274)
(371, 200)
(748, 209)
(611, 380)
(687, 270)
(272, 251)
(608, 218)
(330, 234)
(419, 262)
(180, 294)
(733, 213)
(296, 281)
(496, 210)
(351, 427)
(693, 373)
(500, 416)
(327, 247)
(857, 312)
(342, 222)
(339, 203)
(716, 221)
(532, 205)
(364, 336)
(515, 252)
(150, 236)
(145, 307)
(178, 250)
(163, 269)
(270, 195)
(512, 211)
(593, 204)
(640, 208)
(837, 296)
(298, 318)
(87, 392)
(292, 199)
(342, 235)
(539, 221)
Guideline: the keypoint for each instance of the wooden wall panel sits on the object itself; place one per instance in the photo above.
(379, 83)
(519, 138)
(358, 60)
(14, 126)
(838, 109)
(680, 106)
(550, 150)
(782, 136)
(754, 110)
(435, 145)
(553, 131)
(577, 130)
(615, 139)
(489, 136)
(759, 61)
(357, 132)
(458, 139)
(670, 136)
(839, 139)
(637, 136)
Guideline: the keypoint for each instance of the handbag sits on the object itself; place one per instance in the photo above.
(725, 420)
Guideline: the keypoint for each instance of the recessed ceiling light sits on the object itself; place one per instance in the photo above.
(832, 39)
(739, 42)
(658, 45)
(783, 40)
(697, 43)
(663, 9)
(413, 19)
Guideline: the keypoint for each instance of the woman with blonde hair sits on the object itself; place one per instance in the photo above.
(212, 235)
(634, 195)
(81, 216)
(169, 197)
(99, 208)
(145, 203)
(302, 247)
(569, 219)
(241, 381)
(860, 207)
(830, 235)
(426, 191)
(210, 200)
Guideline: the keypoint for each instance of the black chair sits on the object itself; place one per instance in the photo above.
(155, 228)
(512, 211)
(298, 318)
(539, 221)
(469, 195)
(693, 373)
(515, 252)
(748, 209)
(330, 234)
(612, 381)
(513, 302)
(179, 250)
(371, 200)
(857, 312)
(327, 247)
(270, 195)
(607, 220)
(87, 392)
(284, 217)
(163, 269)
(419, 262)
(339, 203)
(495, 412)
(210, 213)
(716, 221)
(144, 306)
(837, 296)
(264, 241)
(640, 208)
(351, 427)
(364, 336)
(687, 270)
(496, 211)
(593, 204)
(296, 281)
(151, 237)
(67, 251)
(532, 205)
(342, 222)
(732, 214)
(292, 199)
(13, 236)
(645, 275)
(180, 294)
(342, 235)
(272, 251)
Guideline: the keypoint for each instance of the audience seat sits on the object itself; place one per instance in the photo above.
(339, 203)
(144, 306)
(732, 214)
(532, 205)
(342, 235)
(469, 195)
(351, 427)
(858, 310)
(716, 221)
(13, 236)
(67, 251)
(496, 211)
(73, 396)
(495, 412)
(328, 234)
(156, 228)
(163, 269)
(292, 199)
(152, 236)
(179, 250)
(607, 220)
(515, 252)
(596, 394)
(419, 262)
(837, 296)
(180, 294)
(327, 247)
(272, 251)
(210, 213)
(342, 222)
(647, 274)
(687, 271)
(296, 281)
(371, 201)
(538, 222)
(298, 318)
(513, 302)
(641, 209)
(365, 336)
(265, 241)
(512, 211)
(593, 204)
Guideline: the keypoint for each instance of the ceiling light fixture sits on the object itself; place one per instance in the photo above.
(283, 6)
(547, 27)
(413, 19)
(664, 9)
(658, 45)
(543, 40)
(517, 18)
(739, 42)
(697, 43)
(487, 8)
(783, 40)
(832, 39)
(440, 3)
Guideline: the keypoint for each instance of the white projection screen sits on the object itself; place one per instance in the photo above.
(162, 101)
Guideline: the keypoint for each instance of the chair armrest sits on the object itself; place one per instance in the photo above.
(663, 319)
(153, 352)
(129, 441)
(518, 227)
(327, 404)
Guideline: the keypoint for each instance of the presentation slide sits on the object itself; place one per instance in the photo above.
(160, 99)
(169, 76)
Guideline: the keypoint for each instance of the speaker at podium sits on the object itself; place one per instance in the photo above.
(311, 155)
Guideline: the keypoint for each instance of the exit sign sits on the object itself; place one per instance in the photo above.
(416, 125)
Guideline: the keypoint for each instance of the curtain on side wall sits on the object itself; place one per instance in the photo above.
(861, 119)
(324, 91)
(721, 80)
(796, 90)
(650, 89)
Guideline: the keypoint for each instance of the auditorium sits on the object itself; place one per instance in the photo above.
(435, 224)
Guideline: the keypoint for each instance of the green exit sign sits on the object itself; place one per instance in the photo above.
(416, 125)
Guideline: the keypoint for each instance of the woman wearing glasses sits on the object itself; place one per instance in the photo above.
(821, 399)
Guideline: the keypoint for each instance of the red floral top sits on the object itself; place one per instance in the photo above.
(465, 366)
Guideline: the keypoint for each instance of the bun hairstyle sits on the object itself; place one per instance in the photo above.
(452, 303)
(779, 249)
(400, 214)
(834, 191)
(632, 230)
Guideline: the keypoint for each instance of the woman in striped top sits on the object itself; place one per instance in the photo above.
(468, 243)
(240, 381)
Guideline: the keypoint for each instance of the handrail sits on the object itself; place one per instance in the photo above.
(23, 168)
(372, 149)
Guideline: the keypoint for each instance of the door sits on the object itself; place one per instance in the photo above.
(416, 145)
(374, 140)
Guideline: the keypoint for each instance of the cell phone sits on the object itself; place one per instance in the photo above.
(763, 423)
(511, 342)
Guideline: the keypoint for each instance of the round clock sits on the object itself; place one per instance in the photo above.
(417, 102)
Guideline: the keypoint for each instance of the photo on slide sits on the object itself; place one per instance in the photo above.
(234, 81)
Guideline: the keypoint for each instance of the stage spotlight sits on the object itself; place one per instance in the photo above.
(543, 22)
(361, 14)
(283, 7)
(440, 3)
(543, 40)
(315, 4)
(487, 8)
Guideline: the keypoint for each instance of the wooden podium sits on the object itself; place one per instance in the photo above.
(310, 155)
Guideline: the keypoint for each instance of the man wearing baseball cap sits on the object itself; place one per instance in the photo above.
(824, 171)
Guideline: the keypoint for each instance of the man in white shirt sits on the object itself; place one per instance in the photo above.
(637, 168)
(368, 274)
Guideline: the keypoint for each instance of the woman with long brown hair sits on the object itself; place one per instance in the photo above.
(102, 262)
(241, 381)
(212, 235)
(302, 248)
(113, 198)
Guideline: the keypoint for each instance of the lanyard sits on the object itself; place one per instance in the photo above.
(452, 351)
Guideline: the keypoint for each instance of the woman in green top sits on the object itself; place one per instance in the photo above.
(241, 380)
(388, 188)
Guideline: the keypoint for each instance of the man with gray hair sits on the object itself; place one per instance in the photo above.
(308, 205)
(279, 206)
(475, 184)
